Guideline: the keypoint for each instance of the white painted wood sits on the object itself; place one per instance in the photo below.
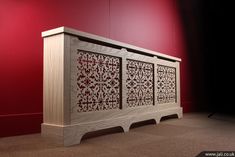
(62, 119)
(105, 40)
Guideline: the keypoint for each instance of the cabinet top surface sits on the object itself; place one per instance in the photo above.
(74, 32)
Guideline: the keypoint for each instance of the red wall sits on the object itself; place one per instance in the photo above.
(151, 24)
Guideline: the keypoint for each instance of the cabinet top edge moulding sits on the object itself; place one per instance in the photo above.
(104, 40)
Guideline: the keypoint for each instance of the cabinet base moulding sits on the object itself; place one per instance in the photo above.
(68, 135)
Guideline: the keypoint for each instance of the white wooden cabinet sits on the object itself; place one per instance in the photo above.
(92, 83)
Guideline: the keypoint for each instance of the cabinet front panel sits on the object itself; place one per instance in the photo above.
(166, 84)
(98, 82)
(139, 83)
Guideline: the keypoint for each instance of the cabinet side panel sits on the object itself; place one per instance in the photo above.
(53, 79)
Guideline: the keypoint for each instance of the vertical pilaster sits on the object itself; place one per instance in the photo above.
(155, 81)
(178, 100)
(67, 79)
(124, 78)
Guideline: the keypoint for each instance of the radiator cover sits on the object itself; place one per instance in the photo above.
(92, 83)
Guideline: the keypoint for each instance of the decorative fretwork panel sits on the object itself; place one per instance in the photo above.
(98, 82)
(139, 83)
(166, 84)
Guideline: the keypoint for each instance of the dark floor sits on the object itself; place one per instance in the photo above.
(184, 137)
